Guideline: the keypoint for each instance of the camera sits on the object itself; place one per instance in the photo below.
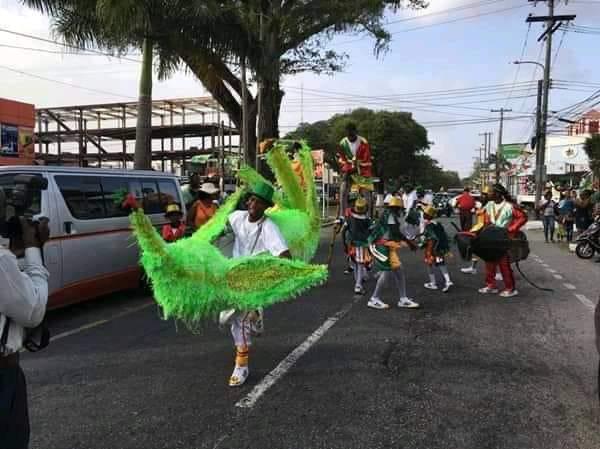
(16, 201)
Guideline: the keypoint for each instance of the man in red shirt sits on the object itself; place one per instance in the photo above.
(465, 203)
(354, 160)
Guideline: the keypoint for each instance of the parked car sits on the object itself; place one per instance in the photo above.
(442, 202)
(91, 251)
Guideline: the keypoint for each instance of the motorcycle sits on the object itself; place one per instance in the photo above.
(588, 242)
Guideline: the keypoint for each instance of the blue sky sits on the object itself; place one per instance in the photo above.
(440, 56)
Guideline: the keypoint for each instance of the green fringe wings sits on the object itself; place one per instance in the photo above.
(192, 280)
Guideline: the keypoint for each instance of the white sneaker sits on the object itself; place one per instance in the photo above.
(488, 290)
(447, 287)
(499, 276)
(376, 303)
(358, 290)
(407, 303)
(239, 376)
(509, 293)
(430, 286)
(469, 270)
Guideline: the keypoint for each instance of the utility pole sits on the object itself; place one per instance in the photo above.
(499, 149)
(539, 154)
(481, 150)
(553, 23)
(487, 143)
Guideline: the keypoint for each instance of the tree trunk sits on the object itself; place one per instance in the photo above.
(270, 90)
(143, 128)
(214, 75)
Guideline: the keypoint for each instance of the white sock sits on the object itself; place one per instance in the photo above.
(444, 271)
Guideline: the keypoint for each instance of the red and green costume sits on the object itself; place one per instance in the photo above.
(359, 165)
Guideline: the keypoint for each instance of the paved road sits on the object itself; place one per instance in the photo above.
(465, 371)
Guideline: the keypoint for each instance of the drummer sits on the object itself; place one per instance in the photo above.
(502, 211)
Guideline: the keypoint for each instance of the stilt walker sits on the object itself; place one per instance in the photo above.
(356, 166)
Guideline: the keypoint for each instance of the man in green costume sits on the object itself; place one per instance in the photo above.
(254, 234)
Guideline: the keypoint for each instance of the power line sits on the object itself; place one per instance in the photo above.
(444, 11)
(518, 69)
(63, 44)
(562, 38)
(438, 23)
(50, 80)
(42, 50)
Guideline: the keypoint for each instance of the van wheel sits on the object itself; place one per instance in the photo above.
(584, 250)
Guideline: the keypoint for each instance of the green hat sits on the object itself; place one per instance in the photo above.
(263, 191)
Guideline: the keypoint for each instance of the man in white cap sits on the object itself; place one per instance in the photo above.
(205, 207)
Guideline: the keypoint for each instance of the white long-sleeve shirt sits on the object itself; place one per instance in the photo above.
(23, 294)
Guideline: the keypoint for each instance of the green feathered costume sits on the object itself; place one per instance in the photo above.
(192, 280)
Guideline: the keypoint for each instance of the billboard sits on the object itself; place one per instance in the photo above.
(9, 140)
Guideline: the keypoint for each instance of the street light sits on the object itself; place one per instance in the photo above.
(541, 119)
(530, 62)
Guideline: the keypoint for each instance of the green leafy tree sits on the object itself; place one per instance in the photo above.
(592, 149)
(210, 38)
(398, 145)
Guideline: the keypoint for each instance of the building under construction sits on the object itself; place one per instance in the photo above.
(103, 135)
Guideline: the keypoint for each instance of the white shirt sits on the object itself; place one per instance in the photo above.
(409, 199)
(354, 146)
(246, 242)
(23, 295)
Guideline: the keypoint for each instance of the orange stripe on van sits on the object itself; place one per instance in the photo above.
(95, 287)
(91, 234)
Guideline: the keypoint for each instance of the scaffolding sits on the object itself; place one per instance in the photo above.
(104, 134)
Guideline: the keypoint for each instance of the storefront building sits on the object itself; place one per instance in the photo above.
(17, 121)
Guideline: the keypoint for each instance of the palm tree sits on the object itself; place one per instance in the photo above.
(117, 25)
(152, 26)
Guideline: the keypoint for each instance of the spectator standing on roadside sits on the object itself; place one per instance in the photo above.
(204, 207)
(583, 211)
(566, 210)
(175, 228)
(548, 208)
(465, 203)
(191, 191)
(23, 299)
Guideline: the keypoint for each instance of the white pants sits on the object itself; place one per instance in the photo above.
(241, 328)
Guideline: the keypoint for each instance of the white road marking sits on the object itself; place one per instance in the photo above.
(585, 301)
(284, 366)
(569, 286)
(100, 322)
(545, 265)
(559, 277)
(550, 270)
